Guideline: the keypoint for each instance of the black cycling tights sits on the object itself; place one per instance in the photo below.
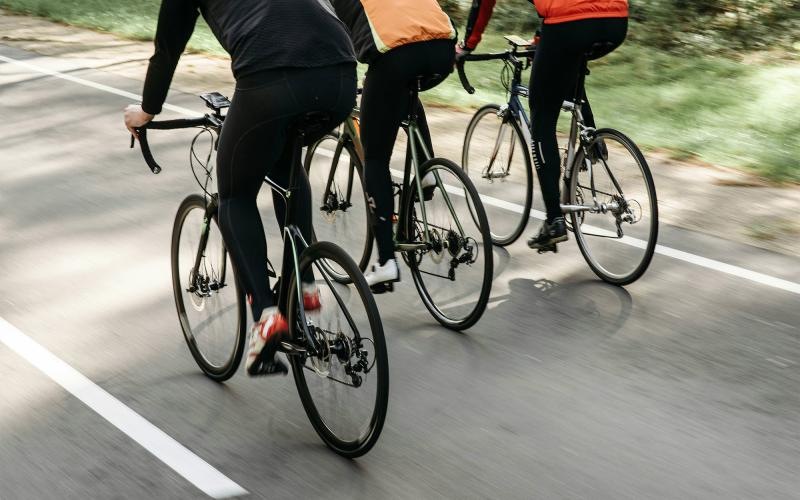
(254, 144)
(553, 79)
(384, 105)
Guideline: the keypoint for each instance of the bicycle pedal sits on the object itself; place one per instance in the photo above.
(549, 248)
(272, 367)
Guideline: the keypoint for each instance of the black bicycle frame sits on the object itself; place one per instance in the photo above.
(297, 244)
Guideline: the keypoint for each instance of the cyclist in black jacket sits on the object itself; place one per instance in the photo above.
(289, 58)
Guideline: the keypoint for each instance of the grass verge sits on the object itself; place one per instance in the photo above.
(717, 110)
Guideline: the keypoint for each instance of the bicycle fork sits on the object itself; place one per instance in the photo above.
(203, 285)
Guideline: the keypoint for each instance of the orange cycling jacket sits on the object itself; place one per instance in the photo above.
(378, 26)
(551, 11)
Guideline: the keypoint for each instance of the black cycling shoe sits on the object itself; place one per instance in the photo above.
(550, 233)
(263, 367)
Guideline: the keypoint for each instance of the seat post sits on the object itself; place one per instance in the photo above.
(581, 81)
(296, 138)
(412, 104)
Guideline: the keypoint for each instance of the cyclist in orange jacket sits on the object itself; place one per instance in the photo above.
(570, 28)
(399, 40)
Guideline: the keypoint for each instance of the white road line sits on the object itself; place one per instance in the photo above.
(91, 84)
(193, 468)
(690, 258)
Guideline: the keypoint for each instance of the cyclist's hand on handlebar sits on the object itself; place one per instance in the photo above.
(136, 117)
(461, 51)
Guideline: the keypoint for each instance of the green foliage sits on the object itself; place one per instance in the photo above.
(718, 109)
(686, 26)
(136, 20)
(716, 25)
(710, 108)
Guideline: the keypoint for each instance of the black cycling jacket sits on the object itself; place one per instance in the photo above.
(258, 34)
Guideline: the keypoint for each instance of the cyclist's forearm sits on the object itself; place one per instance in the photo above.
(479, 16)
(176, 21)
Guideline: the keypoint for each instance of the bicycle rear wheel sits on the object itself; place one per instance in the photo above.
(344, 386)
(210, 303)
(341, 212)
(619, 240)
(460, 247)
(496, 158)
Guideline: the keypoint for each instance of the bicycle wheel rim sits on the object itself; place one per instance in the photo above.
(459, 299)
(615, 259)
(496, 159)
(212, 318)
(325, 400)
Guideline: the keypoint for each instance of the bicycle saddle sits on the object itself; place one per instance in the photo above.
(426, 82)
(598, 50)
(311, 125)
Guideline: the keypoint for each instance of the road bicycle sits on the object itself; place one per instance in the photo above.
(337, 353)
(441, 230)
(616, 229)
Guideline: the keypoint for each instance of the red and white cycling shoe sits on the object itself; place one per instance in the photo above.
(267, 334)
(311, 300)
(265, 337)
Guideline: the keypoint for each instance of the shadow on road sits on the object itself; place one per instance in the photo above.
(592, 310)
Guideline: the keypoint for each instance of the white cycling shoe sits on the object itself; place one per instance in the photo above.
(428, 186)
(381, 278)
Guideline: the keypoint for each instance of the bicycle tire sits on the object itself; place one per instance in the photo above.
(478, 212)
(506, 237)
(609, 135)
(327, 251)
(225, 370)
(366, 249)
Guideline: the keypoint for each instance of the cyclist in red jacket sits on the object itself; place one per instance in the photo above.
(570, 28)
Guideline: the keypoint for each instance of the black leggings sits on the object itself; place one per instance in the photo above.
(254, 143)
(384, 105)
(553, 78)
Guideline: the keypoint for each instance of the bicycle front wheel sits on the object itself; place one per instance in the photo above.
(618, 238)
(210, 303)
(452, 267)
(496, 158)
(344, 384)
(340, 209)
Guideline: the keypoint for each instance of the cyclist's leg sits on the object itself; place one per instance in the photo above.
(384, 105)
(253, 141)
(612, 31)
(440, 55)
(248, 146)
(555, 68)
(328, 90)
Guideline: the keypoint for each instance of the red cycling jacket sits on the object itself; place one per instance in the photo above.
(552, 11)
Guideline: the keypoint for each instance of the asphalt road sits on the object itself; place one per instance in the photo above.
(683, 385)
